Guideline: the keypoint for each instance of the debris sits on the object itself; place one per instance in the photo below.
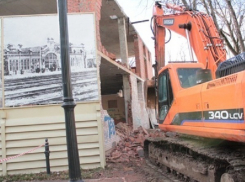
(171, 134)
(140, 151)
(146, 133)
(156, 133)
(130, 146)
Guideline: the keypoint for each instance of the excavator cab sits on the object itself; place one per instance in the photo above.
(174, 78)
(165, 94)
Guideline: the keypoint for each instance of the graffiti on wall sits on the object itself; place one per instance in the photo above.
(111, 126)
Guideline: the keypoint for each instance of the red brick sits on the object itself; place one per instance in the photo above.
(140, 151)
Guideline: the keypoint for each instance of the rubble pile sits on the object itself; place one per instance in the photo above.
(130, 146)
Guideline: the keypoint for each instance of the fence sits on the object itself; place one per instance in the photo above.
(24, 128)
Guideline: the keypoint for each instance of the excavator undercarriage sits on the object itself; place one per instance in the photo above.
(198, 159)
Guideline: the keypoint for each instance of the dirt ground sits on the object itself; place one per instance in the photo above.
(133, 171)
(138, 170)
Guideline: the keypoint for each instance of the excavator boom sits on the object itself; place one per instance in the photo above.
(199, 30)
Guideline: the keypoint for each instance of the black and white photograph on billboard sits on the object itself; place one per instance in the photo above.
(32, 64)
(1, 93)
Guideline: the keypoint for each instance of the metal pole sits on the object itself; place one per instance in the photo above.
(142, 21)
(68, 101)
(47, 156)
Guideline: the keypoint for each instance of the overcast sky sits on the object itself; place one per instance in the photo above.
(138, 10)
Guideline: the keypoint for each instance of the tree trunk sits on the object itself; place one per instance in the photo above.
(213, 14)
(205, 6)
(237, 29)
(194, 6)
(185, 3)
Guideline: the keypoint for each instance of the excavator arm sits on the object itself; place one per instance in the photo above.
(199, 30)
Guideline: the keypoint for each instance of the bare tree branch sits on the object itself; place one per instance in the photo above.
(205, 6)
(228, 25)
(194, 6)
(237, 30)
(228, 43)
(228, 17)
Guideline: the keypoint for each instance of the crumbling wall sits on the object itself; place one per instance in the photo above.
(110, 137)
(143, 59)
(139, 57)
(117, 112)
(138, 107)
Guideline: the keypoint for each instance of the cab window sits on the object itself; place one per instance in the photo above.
(162, 91)
(165, 95)
(187, 76)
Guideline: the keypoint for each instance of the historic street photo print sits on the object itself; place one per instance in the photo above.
(32, 65)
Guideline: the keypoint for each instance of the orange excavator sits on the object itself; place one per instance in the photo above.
(203, 99)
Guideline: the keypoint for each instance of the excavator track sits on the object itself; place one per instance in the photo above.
(198, 159)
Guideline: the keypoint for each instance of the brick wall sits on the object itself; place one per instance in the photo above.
(139, 58)
(143, 59)
(148, 64)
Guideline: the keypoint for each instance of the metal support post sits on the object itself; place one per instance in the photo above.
(47, 152)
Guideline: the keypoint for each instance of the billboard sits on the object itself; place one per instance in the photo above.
(1, 78)
(32, 65)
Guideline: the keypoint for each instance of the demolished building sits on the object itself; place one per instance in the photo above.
(107, 90)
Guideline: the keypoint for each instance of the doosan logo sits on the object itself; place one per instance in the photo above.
(168, 21)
